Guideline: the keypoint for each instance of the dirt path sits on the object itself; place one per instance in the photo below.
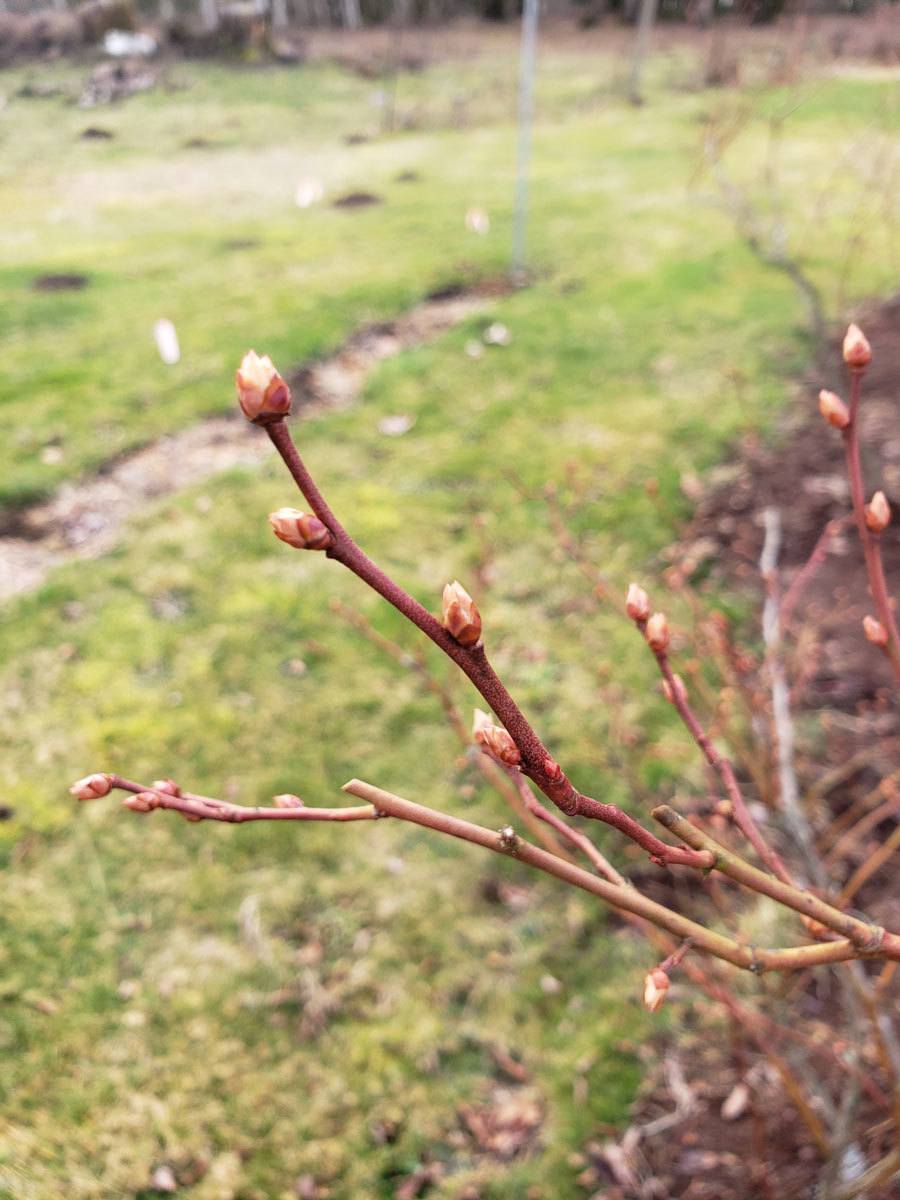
(85, 519)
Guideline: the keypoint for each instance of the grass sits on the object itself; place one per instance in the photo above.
(251, 1005)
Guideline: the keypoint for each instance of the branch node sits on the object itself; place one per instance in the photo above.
(509, 840)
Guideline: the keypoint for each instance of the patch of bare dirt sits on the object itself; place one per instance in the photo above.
(356, 200)
(61, 282)
(85, 519)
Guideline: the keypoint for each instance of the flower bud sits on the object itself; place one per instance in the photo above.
(301, 530)
(833, 409)
(169, 786)
(656, 984)
(857, 351)
(552, 770)
(875, 632)
(675, 692)
(461, 617)
(499, 743)
(287, 800)
(264, 396)
(658, 632)
(878, 513)
(142, 802)
(480, 720)
(92, 787)
(637, 603)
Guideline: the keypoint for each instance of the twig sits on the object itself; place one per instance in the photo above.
(506, 841)
(805, 575)
(676, 694)
(536, 761)
(574, 836)
(871, 542)
(205, 808)
(868, 939)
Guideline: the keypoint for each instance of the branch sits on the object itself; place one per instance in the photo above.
(506, 841)
(871, 541)
(655, 630)
(206, 808)
(536, 761)
(868, 939)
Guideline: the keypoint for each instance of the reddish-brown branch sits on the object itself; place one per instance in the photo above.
(206, 808)
(574, 836)
(537, 762)
(871, 542)
(505, 781)
(676, 692)
(806, 573)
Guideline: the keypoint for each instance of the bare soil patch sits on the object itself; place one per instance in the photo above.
(61, 282)
(86, 519)
(356, 200)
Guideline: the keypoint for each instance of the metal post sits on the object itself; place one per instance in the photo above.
(527, 59)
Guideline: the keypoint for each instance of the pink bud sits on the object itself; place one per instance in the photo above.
(264, 396)
(637, 603)
(656, 984)
(833, 409)
(658, 632)
(480, 720)
(169, 786)
(878, 513)
(92, 787)
(142, 802)
(857, 351)
(875, 631)
(552, 770)
(675, 692)
(499, 743)
(461, 617)
(299, 529)
(287, 800)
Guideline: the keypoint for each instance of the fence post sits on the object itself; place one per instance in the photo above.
(527, 58)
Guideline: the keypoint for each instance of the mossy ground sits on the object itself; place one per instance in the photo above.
(252, 1004)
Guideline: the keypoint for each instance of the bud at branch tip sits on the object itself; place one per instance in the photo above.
(656, 985)
(637, 603)
(263, 395)
(92, 787)
(856, 349)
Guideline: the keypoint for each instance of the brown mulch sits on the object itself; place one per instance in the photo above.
(61, 282)
(356, 200)
(741, 1136)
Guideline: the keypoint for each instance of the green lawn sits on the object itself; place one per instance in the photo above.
(251, 1004)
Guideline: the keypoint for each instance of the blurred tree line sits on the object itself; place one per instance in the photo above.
(355, 13)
